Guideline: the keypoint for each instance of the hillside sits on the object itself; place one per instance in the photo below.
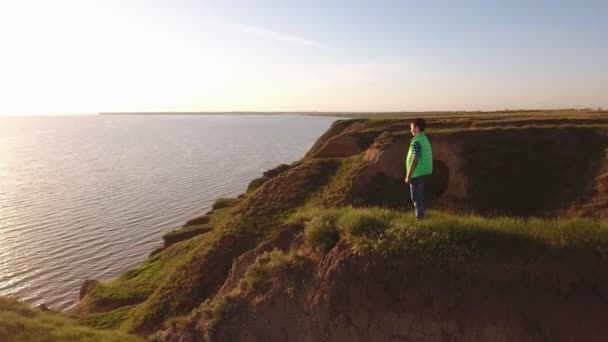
(326, 248)
(21, 323)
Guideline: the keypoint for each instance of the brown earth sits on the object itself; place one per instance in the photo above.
(346, 297)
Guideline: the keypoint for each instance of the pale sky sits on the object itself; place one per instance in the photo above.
(88, 56)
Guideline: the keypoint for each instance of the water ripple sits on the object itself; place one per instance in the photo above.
(89, 197)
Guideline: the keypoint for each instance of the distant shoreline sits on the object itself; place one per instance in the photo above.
(328, 114)
(267, 113)
(386, 115)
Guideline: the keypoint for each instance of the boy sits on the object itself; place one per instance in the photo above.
(418, 164)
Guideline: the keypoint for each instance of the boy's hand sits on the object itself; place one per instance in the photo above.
(408, 180)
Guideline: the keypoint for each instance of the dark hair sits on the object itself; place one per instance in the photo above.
(420, 123)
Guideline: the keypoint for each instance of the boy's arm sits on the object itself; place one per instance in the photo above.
(416, 151)
(413, 164)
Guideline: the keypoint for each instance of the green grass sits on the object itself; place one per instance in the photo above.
(136, 285)
(113, 319)
(441, 235)
(200, 272)
(21, 323)
(188, 232)
(322, 232)
(266, 265)
(267, 208)
(161, 301)
(337, 191)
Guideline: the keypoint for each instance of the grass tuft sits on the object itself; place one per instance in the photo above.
(107, 320)
(321, 233)
(216, 310)
(266, 265)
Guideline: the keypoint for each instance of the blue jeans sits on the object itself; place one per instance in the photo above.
(417, 192)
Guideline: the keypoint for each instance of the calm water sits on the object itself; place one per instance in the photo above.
(91, 196)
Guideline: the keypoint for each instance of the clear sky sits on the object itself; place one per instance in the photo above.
(86, 56)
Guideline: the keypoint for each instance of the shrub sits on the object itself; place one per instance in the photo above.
(362, 223)
(321, 233)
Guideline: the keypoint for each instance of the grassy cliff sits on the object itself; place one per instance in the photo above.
(510, 189)
(21, 323)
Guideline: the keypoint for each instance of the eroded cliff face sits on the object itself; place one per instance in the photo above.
(342, 296)
(362, 299)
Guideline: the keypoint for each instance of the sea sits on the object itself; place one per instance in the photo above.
(90, 196)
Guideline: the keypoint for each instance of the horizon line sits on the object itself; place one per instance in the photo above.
(354, 111)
